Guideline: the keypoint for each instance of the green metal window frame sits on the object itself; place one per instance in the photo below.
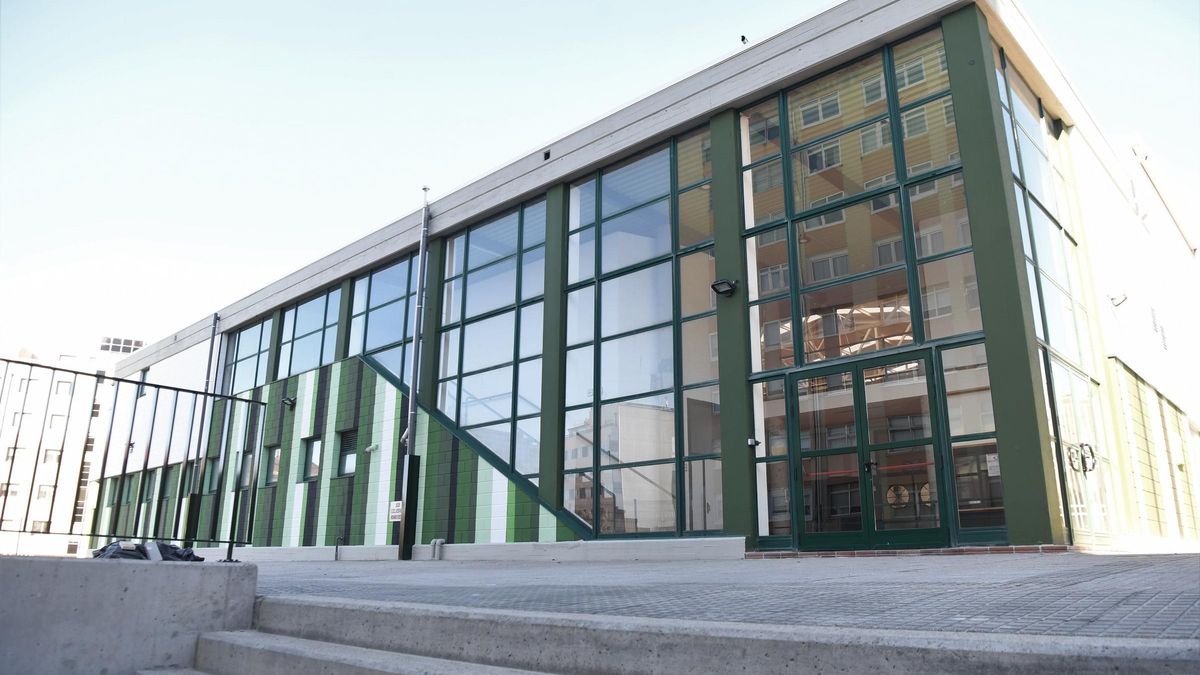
(360, 287)
(519, 306)
(259, 359)
(679, 460)
(286, 342)
(899, 190)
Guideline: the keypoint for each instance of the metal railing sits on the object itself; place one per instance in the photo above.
(132, 460)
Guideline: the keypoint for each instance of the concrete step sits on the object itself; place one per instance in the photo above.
(170, 671)
(241, 652)
(581, 643)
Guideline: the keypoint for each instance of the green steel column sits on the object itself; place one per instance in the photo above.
(737, 458)
(1032, 501)
(428, 368)
(554, 336)
(273, 352)
(343, 332)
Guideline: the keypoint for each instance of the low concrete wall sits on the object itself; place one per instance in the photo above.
(65, 615)
(617, 550)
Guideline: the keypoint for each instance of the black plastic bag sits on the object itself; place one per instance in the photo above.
(154, 550)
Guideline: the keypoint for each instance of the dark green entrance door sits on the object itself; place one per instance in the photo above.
(868, 469)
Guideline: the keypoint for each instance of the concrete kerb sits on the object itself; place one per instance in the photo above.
(605, 644)
(69, 615)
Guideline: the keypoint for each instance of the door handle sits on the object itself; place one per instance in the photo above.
(867, 466)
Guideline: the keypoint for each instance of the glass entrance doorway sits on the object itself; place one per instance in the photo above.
(867, 466)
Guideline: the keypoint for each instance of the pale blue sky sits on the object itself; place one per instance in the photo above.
(161, 160)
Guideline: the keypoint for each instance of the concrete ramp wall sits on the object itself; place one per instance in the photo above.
(66, 615)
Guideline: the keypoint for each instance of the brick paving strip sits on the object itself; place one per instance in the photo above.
(1069, 594)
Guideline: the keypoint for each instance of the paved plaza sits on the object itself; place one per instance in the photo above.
(1072, 594)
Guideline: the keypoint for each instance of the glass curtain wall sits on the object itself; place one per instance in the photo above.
(642, 419)
(309, 334)
(849, 233)
(857, 241)
(246, 355)
(383, 314)
(490, 356)
(1059, 293)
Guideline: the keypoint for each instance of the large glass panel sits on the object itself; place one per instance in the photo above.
(640, 430)
(832, 501)
(531, 330)
(840, 99)
(582, 209)
(581, 315)
(333, 307)
(771, 335)
(581, 255)
(852, 240)
(577, 439)
(838, 168)
(448, 354)
(764, 193)
(492, 287)
(693, 162)
(636, 236)
(487, 396)
(1060, 320)
(637, 363)
(388, 283)
(770, 418)
(248, 340)
(700, 355)
(697, 272)
(904, 486)
(702, 490)
(533, 224)
(920, 66)
(862, 316)
(384, 325)
(310, 316)
(635, 181)
(529, 387)
(950, 296)
(930, 136)
(1026, 107)
(774, 499)
(448, 398)
(696, 218)
(767, 264)
(968, 390)
(939, 215)
(577, 496)
(825, 412)
(533, 273)
(488, 342)
(452, 301)
(1039, 176)
(579, 376)
(634, 300)
(760, 131)
(1050, 244)
(306, 354)
(527, 449)
(638, 499)
(497, 438)
(977, 484)
(359, 296)
(897, 402)
(702, 421)
(493, 241)
(455, 254)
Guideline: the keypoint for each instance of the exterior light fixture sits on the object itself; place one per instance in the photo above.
(290, 402)
(724, 287)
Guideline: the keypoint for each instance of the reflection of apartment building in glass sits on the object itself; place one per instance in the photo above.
(917, 350)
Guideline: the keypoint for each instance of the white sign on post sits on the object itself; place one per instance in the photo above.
(396, 512)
